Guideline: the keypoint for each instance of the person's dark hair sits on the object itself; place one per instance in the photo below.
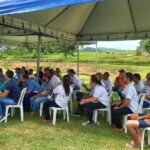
(71, 71)
(9, 74)
(137, 76)
(25, 76)
(51, 71)
(107, 73)
(129, 75)
(95, 79)
(1, 70)
(58, 70)
(66, 84)
(25, 72)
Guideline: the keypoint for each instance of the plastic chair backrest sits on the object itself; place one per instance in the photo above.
(110, 99)
(23, 92)
(141, 98)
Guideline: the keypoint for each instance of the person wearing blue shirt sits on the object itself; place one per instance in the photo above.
(11, 94)
(2, 77)
(33, 88)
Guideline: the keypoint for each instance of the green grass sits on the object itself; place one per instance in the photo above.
(35, 135)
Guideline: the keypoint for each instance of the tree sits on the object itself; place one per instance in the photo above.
(144, 46)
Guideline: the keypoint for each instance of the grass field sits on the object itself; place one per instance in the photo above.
(34, 135)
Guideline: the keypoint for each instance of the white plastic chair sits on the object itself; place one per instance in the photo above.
(143, 134)
(19, 105)
(41, 109)
(107, 109)
(141, 98)
(55, 109)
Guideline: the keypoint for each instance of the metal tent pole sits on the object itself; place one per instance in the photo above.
(78, 59)
(38, 57)
(96, 50)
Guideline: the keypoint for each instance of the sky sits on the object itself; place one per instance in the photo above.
(123, 45)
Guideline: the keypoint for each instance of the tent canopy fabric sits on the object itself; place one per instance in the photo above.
(21, 6)
(96, 21)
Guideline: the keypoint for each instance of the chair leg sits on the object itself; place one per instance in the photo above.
(12, 111)
(109, 117)
(54, 116)
(6, 113)
(71, 106)
(41, 109)
(95, 116)
(148, 137)
(21, 114)
(64, 114)
(67, 112)
(142, 144)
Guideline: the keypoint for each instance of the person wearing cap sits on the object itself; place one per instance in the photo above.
(120, 83)
(41, 97)
(33, 88)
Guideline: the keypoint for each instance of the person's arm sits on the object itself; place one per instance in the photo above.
(4, 94)
(88, 100)
(147, 97)
(144, 117)
(123, 104)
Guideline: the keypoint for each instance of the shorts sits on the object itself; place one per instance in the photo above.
(143, 124)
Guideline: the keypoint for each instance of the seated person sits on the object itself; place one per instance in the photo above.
(31, 75)
(54, 80)
(32, 89)
(98, 99)
(2, 77)
(37, 99)
(120, 84)
(63, 93)
(139, 86)
(100, 78)
(11, 94)
(134, 127)
(18, 73)
(107, 82)
(147, 77)
(58, 73)
(75, 81)
(146, 103)
(127, 106)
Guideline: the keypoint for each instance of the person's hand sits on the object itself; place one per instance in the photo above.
(81, 102)
(134, 117)
(116, 107)
(147, 121)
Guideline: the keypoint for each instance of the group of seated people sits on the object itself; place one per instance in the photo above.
(54, 90)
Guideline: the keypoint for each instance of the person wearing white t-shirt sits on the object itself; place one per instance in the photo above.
(127, 106)
(139, 85)
(97, 100)
(62, 93)
(107, 82)
(147, 77)
(146, 103)
(76, 83)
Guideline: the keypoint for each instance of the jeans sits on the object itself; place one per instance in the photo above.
(46, 108)
(26, 101)
(119, 91)
(90, 108)
(117, 114)
(36, 102)
(3, 102)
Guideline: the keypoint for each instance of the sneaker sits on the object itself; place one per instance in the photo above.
(89, 123)
(76, 114)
